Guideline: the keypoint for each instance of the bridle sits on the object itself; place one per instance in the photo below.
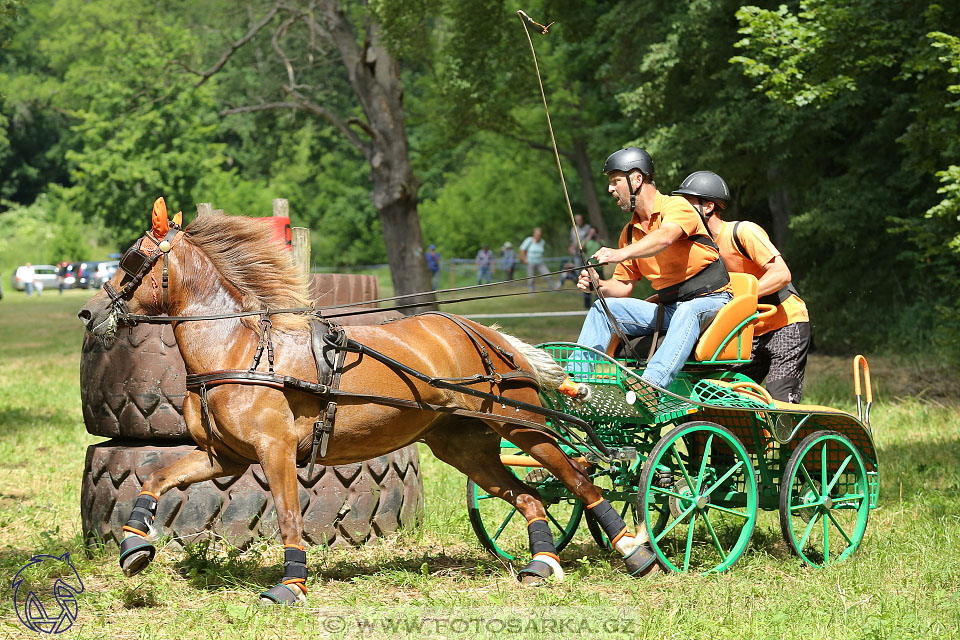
(136, 263)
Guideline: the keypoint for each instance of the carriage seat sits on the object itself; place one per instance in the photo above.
(728, 338)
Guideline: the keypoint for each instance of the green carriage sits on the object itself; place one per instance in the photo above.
(694, 464)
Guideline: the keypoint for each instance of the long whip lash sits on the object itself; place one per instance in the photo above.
(594, 278)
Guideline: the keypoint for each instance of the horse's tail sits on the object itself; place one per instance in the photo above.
(548, 374)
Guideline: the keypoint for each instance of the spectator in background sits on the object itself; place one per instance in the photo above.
(591, 244)
(484, 260)
(28, 276)
(433, 263)
(508, 259)
(61, 276)
(580, 231)
(531, 254)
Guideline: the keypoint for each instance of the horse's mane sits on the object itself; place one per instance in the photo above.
(246, 253)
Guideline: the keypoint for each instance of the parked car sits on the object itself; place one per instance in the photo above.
(76, 276)
(100, 272)
(43, 274)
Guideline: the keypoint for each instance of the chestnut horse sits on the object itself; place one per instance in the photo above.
(230, 264)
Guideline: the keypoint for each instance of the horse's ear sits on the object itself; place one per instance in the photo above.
(178, 218)
(160, 223)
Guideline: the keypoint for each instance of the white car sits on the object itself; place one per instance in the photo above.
(44, 277)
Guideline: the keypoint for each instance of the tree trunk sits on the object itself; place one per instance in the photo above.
(375, 78)
(589, 187)
(779, 203)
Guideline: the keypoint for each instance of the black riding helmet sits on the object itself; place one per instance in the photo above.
(705, 185)
(626, 160)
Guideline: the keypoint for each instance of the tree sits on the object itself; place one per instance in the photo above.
(319, 48)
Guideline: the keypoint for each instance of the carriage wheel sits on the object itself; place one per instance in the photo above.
(824, 499)
(702, 472)
(502, 530)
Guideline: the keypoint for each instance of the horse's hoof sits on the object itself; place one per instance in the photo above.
(530, 580)
(538, 570)
(135, 554)
(642, 563)
(283, 594)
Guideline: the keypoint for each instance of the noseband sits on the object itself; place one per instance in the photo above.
(136, 263)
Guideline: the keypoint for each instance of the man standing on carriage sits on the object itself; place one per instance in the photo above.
(781, 342)
(667, 243)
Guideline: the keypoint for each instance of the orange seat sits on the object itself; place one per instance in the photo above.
(727, 337)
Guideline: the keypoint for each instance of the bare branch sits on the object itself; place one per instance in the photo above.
(275, 40)
(321, 111)
(254, 30)
(357, 122)
(260, 107)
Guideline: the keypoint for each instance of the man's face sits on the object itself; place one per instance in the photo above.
(708, 205)
(578, 219)
(537, 233)
(619, 188)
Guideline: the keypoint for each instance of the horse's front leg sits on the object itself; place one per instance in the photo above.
(136, 550)
(278, 457)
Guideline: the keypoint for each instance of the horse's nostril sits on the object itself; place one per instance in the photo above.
(85, 315)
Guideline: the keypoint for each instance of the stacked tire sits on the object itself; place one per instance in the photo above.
(133, 393)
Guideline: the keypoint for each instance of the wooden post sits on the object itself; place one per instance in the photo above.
(281, 208)
(203, 208)
(301, 249)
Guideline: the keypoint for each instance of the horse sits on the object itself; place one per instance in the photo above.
(219, 276)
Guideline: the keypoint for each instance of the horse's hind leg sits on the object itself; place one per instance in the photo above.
(639, 558)
(473, 448)
(136, 551)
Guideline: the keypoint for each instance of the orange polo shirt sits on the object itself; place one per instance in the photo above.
(678, 262)
(760, 251)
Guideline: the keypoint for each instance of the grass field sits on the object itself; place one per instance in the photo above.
(436, 581)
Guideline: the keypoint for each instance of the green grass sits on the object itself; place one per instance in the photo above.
(436, 581)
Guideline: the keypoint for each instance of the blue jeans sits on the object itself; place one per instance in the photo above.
(639, 317)
(483, 274)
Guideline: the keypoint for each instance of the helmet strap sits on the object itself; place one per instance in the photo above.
(699, 209)
(633, 192)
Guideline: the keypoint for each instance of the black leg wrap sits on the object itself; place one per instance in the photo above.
(144, 510)
(541, 538)
(608, 519)
(294, 572)
(135, 554)
(294, 563)
(536, 568)
(640, 560)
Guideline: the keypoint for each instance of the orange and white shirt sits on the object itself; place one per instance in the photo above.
(680, 261)
(760, 251)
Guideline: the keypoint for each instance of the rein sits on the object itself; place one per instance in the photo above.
(134, 319)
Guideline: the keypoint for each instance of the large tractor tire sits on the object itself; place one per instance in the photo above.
(135, 388)
(344, 505)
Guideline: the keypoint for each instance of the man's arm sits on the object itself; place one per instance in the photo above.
(645, 247)
(776, 275)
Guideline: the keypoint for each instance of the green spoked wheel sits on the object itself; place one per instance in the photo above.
(824, 500)
(703, 473)
(502, 530)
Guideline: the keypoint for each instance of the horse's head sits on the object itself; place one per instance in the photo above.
(139, 286)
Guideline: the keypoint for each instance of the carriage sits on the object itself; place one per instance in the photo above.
(688, 467)
(694, 464)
